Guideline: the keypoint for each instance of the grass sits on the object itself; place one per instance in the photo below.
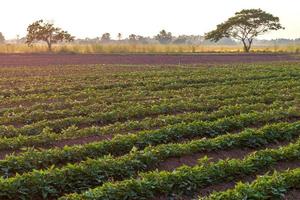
(144, 48)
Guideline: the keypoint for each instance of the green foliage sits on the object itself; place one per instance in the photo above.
(123, 144)
(95, 172)
(144, 117)
(265, 187)
(187, 180)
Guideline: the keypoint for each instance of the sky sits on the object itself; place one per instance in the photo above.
(92, 18)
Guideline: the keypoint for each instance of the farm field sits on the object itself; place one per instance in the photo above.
(149, 127)
(45, 59)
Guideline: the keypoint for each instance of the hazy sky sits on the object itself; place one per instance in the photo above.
(91, 18)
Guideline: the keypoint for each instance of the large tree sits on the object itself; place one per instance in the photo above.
(245, 26)
(47, 32)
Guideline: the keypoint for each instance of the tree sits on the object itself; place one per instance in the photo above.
(119, 36)
(182, 39)
(245, 26)
(2, 38)
(163, 37)
(132, 38)
(47, 32)
(105, 37)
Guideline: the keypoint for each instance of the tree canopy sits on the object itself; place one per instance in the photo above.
(47, 32)
(164, 37)
(105, 37)
(245, 26)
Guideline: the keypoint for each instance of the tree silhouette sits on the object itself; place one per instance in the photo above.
(42, 31)
(164, 37)
(105, 37)
(119, 36)
(245, 26)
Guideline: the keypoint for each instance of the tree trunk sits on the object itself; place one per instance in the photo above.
(49, 46)
(246, 47)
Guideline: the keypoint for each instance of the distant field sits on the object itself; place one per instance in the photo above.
(131, 128)
(145, 48)
(140, 59)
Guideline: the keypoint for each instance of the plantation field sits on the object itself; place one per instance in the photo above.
(157, 132)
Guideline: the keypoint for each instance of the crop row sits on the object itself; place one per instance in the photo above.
(274, 186)
(47, 137)
(134, 112)
(92, 173)
(38, 112)
(90, 92)
(188, 180)
(123, 144)
(160, 79)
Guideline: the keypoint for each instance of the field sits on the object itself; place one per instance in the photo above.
(157, 127)
(145, 48)
(139, 59)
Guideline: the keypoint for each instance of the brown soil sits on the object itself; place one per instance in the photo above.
(62, 143)
(191, 160)
(83, 59)
(4, 153)
(293, 195)
(81, 140)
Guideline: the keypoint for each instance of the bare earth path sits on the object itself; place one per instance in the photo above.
(64, 59)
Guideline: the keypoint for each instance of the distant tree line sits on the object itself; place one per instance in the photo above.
(243, 28)
(181, 39)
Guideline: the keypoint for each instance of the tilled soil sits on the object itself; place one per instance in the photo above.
(81, 59)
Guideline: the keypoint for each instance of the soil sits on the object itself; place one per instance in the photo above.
(62, 143)
(293, 195)
(191, 160)
(151, 59)
(81, 140)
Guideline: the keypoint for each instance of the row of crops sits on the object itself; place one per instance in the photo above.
(150, 132)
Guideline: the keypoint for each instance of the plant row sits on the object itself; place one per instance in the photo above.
(96, 172)
(157, 78)
(38, 113)
(127, 97)
(132, 112)
(274, 186)
(186, 181)
(48, 137)
(123, 144)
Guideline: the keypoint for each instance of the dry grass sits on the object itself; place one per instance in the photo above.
(141, 48)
